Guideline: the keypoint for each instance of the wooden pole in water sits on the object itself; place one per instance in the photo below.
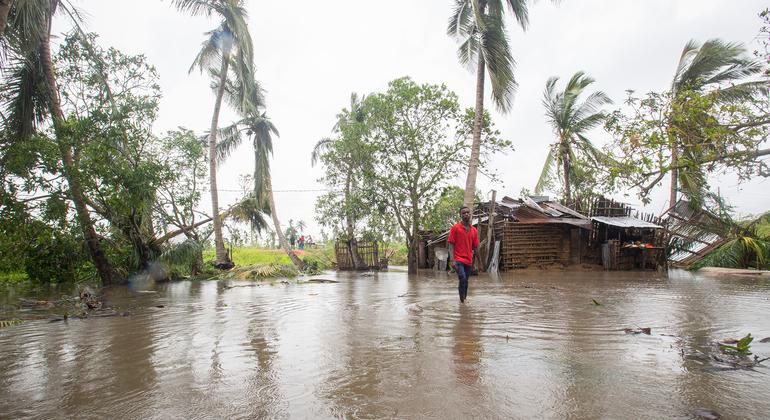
(490, 227)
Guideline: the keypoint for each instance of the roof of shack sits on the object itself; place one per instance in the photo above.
(626, 222)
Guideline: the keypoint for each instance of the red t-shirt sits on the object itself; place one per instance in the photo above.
(464, 241)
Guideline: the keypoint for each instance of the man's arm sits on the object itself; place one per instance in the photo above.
(451, 255)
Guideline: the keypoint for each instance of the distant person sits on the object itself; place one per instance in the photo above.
(292, 240)
(301, 242)
(463, 242)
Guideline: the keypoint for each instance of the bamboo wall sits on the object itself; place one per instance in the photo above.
(532, 245)
(369, 252)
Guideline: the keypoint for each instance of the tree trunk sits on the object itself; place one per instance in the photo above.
(222, 259)
(473, 163)
(674, 173)
(5, 8)
(281, 237)
(567, 166)
(103, 268)
(358, 262)
(412, 245)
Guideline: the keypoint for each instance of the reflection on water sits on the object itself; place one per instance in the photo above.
(391, 345)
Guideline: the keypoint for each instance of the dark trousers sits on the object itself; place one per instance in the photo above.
(463, 271)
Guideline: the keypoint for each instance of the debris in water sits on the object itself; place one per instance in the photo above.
(322, 281)
(703, 413)
(646, 330)
(765, 340)
(595, 302)
(9, 322)
(160, 306)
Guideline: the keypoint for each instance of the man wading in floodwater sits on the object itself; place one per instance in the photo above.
(463, 245)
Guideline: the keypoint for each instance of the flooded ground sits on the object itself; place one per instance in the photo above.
(388, 345)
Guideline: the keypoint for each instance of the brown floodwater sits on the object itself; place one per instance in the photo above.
(388, 345)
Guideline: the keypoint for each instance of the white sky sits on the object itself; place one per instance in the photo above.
(310, 55)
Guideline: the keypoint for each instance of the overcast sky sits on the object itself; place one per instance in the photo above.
(310, 55)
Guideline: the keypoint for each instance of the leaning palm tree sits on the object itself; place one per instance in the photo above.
(261, 130)
(480, 27)
(229, 46)
(723, 70)
(31, 99)
(571, 120)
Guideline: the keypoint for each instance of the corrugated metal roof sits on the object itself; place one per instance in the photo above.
(628, 222)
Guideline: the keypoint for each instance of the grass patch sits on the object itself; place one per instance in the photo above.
(13, 278)
(320, 258)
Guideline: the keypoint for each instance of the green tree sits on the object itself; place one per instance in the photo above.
(714, 117)
(480, 27)
(31, 98)
(420, 141)
(444, 212)
(571, 120)
(229, 46)
(346, 157)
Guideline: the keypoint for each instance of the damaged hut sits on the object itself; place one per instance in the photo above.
(626, 242)
(531, 232)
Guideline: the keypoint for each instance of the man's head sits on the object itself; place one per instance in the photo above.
(465, 215)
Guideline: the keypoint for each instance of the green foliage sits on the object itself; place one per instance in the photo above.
(13, 277)
(54, 257)
(400, 253)
(420, 140)
(480, 28)
(572, 158)
(713, 119)
(748, 245)
(741, 348)
(445, 212)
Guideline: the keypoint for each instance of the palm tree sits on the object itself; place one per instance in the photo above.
(718, 68)
(349, 129)
(570, 120)
(480, 26)
(229, 45)
(32, 96)
(261, 130)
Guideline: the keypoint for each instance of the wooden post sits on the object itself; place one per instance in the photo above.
(490, 228)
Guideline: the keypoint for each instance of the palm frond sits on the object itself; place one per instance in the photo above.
(468, 52)
(460, 20)
(22, 100)
(209, 54)
(194, 7)
(182, 254)
(743, 91)
(594, 155)
(321, 147)
(5, 323)
(251, 210)
(520, 12)
(229, 139)
(499, 63)
(547, 173)
(713, 62)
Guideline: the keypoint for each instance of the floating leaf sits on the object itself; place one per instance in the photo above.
(9, 322)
